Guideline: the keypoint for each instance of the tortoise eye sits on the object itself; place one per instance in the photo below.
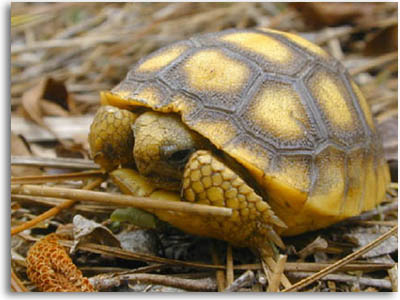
(180, 157)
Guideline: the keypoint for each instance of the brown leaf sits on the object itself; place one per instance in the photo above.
(389, 130)
(361, 237)
(31, 102)
(384, 41)
(317, 245)
(52, 109)
(319, 15)
(19, 147)
(49, 97)
(56, 92)
(88, 231)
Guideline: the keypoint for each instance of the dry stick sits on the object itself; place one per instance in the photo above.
(69, 163)
(55, 178)
(61, 43)
(393, 276)
(110, 280)
(128, 255)
(302, 283)
(219, 274)
(118, 199)
(243, 280)
(266, 269)
(229, 266)
(206, 285)
(53, 211)
(315, 267)
(272, 265)
(379, 283)
(381, 60)
(277, 274)
(369, 214)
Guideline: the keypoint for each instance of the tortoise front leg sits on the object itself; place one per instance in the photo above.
(207, 180)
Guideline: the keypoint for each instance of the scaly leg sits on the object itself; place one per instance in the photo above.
(207, 180)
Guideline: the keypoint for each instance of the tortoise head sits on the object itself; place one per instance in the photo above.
(162, 147)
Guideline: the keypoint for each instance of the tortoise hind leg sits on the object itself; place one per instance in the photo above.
(207, 180)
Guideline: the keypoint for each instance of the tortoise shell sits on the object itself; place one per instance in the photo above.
(281, 107)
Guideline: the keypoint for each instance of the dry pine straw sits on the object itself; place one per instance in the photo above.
(59, 59)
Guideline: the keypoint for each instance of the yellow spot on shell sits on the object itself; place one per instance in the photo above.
(212, 71)
(277, 109)
(331, 98)
(148, 95)
(161, 60)
(268, 47)
(300, 41)
(221, 131)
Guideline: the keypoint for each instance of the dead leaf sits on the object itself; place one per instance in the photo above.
(319, 15)
(88, 231)
(49, 97)
(382, 42)
(56, 92)
(139, 240)
(363, 236)
(31, 103)
(52, 109)
(20, 147)
(316, 245)
(389, 132)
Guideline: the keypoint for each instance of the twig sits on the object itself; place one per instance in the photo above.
(369, 214)
(53, 211)
(129, 255)
(55, 178)
(376, 62)
(205, 285)
(229, 266)
(272, 265)
(110, 280)
(333, 33)
(277, 274)
(82, 42)
(68, 163)
(315, 267)
(342, 262)
(393, 276)
(243, 280)
(219, 274)
(379, 283)
(123, 200)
